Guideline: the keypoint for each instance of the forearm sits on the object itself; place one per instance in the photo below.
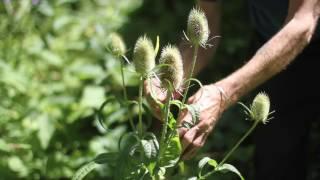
(212, 11)
(271, 58)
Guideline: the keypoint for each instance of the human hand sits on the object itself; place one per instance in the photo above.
(212, 102)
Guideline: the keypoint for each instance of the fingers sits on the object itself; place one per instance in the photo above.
(194, 147)
(189, 153)
(194, 139)
(182, 131)
(195, 135)
(188, 137)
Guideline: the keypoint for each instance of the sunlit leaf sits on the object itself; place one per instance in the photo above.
(172, 152)
(229, 168)
(46, 130)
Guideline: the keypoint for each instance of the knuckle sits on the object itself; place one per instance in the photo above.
(206, 125)
(187, 139)
(197, 144)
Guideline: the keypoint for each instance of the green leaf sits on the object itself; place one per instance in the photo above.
(16, 165)
(51, 58)
(172, 152)
(207, 160)
(228, 167)
(106, 158)
(193, 178)
(84, 170)
(46, 130)
(92, 96)
(4, 146)
(149, 149)
(100, 159)
(204, 161)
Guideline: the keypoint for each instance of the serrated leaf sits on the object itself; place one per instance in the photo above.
(228, 167)
(149, 149)
(172, 152)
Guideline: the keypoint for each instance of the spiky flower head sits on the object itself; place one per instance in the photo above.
(197, 28)
(116, 45)
(260, 108)
(172, 69)
(143, 55)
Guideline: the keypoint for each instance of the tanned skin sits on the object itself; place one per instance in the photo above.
(274, 56)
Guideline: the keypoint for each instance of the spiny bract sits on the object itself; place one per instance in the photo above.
(143, 55)
(260, 108)
(197, 28)
(172, 69)
(116, 45)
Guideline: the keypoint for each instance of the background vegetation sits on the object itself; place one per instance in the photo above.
(55, 72)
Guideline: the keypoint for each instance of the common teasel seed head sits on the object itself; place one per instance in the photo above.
(172, 69)
(116, 45)
(197, 28)
(260, 107)
(143, 55)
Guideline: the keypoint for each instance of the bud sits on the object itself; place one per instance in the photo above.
(116, 45)
(172, 70)
(197, 28)
(143, 55)
(260, 108)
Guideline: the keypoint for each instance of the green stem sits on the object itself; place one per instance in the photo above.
(165, 124)
(140, 106)
(234, 148)
(126, 96)
(194, 59)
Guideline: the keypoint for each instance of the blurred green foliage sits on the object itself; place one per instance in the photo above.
(55, 71)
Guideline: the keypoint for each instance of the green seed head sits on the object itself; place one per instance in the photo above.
(143, 55)
(197, 28)
(260, 108)
(116, 45)
(172, 70)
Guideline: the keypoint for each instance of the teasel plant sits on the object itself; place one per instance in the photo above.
(144, 55)
(197, 35)
(258, 112)
(117, 48)
(171, 76)
(141, 154)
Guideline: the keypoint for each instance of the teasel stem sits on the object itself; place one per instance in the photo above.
(140, 128)
(166, 119)
(126, 96)
(233, 149)
(194, 59)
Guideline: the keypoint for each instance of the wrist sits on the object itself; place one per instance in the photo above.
(305, 23)
(228, 92)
